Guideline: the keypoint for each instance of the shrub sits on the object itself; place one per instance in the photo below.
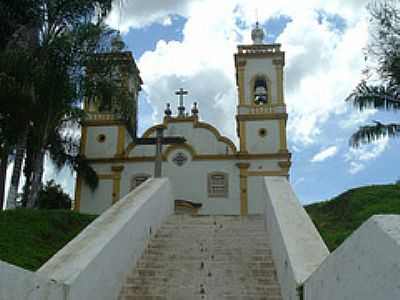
(52, 196)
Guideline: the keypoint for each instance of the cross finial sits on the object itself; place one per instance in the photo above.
(181, 108)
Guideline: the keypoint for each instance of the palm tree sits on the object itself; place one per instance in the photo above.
(68, 33)
(385, 49)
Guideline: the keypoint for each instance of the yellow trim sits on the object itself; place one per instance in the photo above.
(242, 137)
(269, 105)
(116, 188)
(237, 156)
(106, 176)
(258, 117)
(279, 80)
(267, 173)
(78, 191)
(240, 78)
(99, 123)
(117, 169)
(121, 141)
(196, 124)
(83, 142)
(260, 55)
(217, 134)
(151, 130)
(185, 146)
(116, 182)
(244, 200)
(284, 164)
(184, 119)
(282, 135)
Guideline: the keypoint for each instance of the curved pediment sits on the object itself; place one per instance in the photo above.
(201, 138)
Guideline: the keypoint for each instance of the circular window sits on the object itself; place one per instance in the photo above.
(180, 159)
(101, 138)
(262, 132)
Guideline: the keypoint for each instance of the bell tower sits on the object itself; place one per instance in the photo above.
(261, 111)
(111, 114)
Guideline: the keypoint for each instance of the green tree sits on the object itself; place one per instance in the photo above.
(384, 51)
(67, 37)
(52, 196)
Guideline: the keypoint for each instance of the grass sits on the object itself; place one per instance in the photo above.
(28, 238)
(337, 218)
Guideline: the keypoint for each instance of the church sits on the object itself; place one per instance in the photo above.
(209, 174)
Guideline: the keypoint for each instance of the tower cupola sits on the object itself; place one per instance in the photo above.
(257, 35)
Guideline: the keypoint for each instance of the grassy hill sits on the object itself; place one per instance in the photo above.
(28, 238)
(337, 218)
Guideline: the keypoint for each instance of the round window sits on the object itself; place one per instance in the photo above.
(262, 132)
(101, 138)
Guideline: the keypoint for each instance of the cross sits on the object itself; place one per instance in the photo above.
(159, 140)
(181, 92)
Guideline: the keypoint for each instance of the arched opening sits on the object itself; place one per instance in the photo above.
(260, 91)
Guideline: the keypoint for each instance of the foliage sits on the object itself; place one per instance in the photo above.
(384, 50)
(52, 196)
(46, 50)
(337, 218)
(30, 237)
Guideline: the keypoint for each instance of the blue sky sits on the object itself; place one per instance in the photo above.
(190, 44)
(324, 164)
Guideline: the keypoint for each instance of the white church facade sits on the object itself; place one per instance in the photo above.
(209, 174)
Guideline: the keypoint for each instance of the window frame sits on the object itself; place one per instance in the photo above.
(211, 185)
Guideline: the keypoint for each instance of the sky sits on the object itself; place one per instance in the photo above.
(191, 43)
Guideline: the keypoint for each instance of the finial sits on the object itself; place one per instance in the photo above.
(117, 44)
(167, 110)
(257, 34)
(195, 110)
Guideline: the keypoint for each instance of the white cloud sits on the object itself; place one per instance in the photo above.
(357, 118)
(323, 63)
(358, 158)
(325, 154)
(139, 13)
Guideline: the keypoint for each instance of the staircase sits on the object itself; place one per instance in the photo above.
(206, 257)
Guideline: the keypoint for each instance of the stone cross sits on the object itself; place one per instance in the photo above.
(159, 140)
(181, 109)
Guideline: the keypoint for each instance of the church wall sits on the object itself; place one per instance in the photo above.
(256, 194)
(97, 201)
(98, 148)
(203, 141)
(256, 143)
(189, 182)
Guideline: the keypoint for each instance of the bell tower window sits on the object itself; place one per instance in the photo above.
(260, 91)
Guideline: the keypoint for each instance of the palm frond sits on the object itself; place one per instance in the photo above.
(373, 132)
(385, 97)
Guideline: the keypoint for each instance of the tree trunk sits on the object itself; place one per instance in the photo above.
(3, 174)
(19, 158)
(28, 172)
(36, 184)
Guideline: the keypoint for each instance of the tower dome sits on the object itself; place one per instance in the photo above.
(117, 44)
(257, 35)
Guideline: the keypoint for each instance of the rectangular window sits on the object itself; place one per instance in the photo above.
(218, 185)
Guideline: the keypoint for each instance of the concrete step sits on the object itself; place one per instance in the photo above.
(207, 257)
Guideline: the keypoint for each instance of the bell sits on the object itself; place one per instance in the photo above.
(260, 95)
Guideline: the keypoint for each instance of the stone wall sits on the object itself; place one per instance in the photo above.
(20, 284)
(94, 264)
(297, 247)
(366, 266)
